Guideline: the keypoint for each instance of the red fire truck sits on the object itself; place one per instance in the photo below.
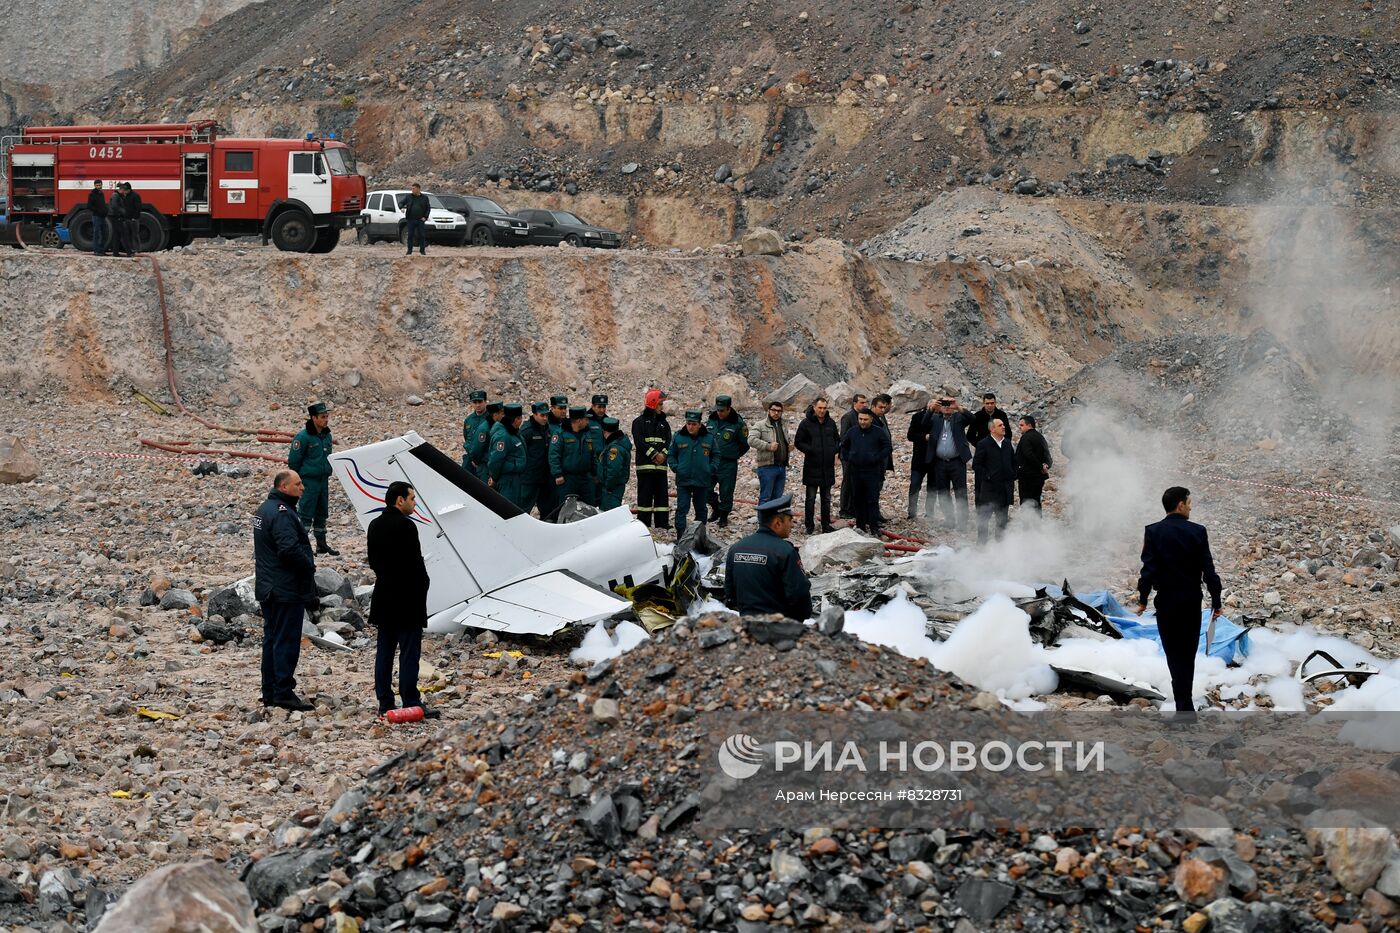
(297, 193)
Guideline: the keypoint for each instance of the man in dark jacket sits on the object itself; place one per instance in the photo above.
(920, 472)
(399, 607)
(97, 207)
(1032, 462)
(864, 451)
(946, 456)
(994, 467)
(1176, 560)
(846, 508)
(982, 418)
(572, 459)
(691, 456)
(651, 438)
(763, 573)
(538, 484)
(310, 456)
(614, 464)
(285, 587)
(415, 212)
(729, 434)
(124, 212)
(819, 442)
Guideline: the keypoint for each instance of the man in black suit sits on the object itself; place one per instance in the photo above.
(399, 607)
(1175, 561)
(848, 423)
(1033, 463)
(982, 419)
(944, 427)
(994, 470)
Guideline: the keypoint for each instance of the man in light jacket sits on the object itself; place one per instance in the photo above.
(769, 442)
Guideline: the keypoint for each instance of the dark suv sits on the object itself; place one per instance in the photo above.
(550, 228)
(488, 224)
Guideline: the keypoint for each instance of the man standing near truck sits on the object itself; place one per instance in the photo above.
(97, 207)
(131, 218)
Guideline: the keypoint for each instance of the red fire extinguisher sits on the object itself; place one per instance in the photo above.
(407, 714)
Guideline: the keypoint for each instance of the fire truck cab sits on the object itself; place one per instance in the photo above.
(297, 193)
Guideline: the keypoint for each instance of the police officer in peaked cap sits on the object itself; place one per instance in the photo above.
(763, 573)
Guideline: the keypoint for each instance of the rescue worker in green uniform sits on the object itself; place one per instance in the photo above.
(494, 412)
(539, 485)
(476, 429)
(690, 457)
(730, 436)
(310, 456)
(597, 411)
(558, 411)
(572, 457)
(614, 464)
(505, 464)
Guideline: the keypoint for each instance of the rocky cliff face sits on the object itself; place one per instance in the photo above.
(55, 55)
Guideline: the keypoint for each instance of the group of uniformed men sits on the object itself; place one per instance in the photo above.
(561, 450)
(564, 450)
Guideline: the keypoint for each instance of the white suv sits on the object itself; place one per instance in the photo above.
(385, 219)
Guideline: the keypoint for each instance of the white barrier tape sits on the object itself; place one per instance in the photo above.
(115, 455)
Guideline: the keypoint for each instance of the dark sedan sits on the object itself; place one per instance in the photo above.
(550, 228)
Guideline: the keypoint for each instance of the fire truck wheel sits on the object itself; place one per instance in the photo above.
(326, 239)
(51, 239)
(363, 238)
(293, 232)
(152, 236)
(482, 236)
(80, 231)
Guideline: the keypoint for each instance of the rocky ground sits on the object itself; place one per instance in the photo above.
(102, 791)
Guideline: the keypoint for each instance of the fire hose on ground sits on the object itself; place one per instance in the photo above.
(262, 435)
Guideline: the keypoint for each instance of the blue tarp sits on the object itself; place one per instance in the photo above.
(1230, 639)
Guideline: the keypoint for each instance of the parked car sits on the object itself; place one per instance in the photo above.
(489, 223)
(386, 219)
(550, 228)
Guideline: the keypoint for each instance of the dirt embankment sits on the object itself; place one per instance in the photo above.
(250, 318)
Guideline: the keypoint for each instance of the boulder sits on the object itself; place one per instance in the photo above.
(17, 464)
(275, 876)
(839, 548)
(329, 581)
(736, 387)
(185, 896)
(215, 630)
(797, 393)
(235, 600)
(909, 396)
(840, 394)
(1200, 882)
(178, 599)
(1356, 853)
(1395, 537)
(761, 241)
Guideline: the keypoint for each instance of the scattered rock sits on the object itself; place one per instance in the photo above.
(200, 895)
(797, 393)
(761, 241)
(17, 464)
(983, 899)
(178, 599)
